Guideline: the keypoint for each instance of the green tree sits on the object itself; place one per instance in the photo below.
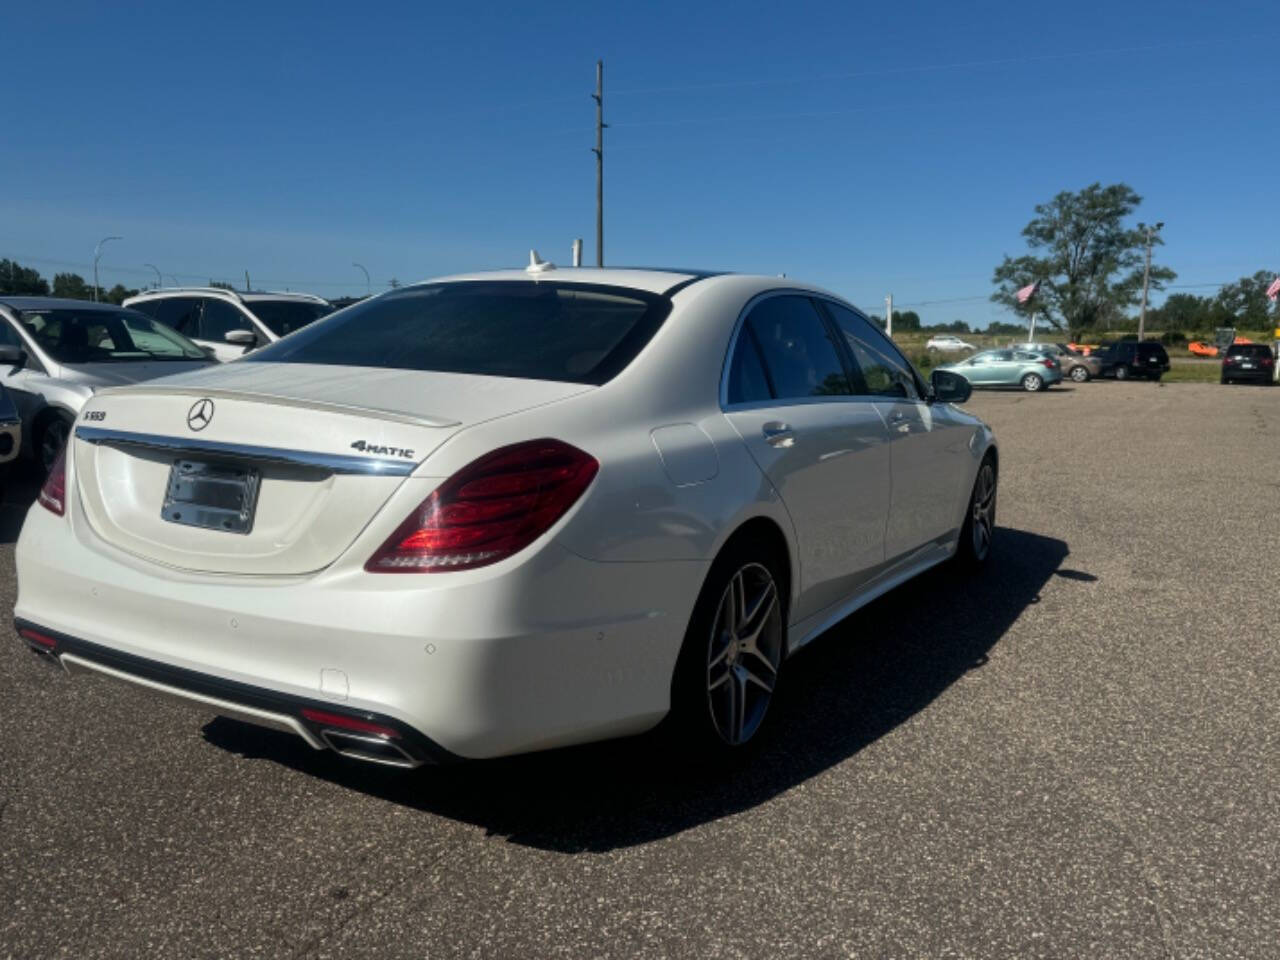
(1246, 301)
(22, 281)
(71, 285)
(1087, 260)
(906, 320)
(118, 294)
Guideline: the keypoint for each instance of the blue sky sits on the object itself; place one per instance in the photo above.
(870, 148)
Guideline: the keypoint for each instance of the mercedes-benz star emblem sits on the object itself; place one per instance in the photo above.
(200, 414)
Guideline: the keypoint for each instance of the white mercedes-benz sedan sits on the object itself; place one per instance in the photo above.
(506, 511)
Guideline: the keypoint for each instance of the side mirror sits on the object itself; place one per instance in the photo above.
(12, 356)
(241, 338)
(949, 387)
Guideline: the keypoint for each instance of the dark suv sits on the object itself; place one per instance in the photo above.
(1248, 361)
(1133, 358)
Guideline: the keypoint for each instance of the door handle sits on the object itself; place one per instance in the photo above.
(778, 434)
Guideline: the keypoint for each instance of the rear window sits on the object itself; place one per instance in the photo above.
(534, 330)
(1249, 350)
(1152, 349)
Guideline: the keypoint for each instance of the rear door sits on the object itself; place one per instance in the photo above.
(928, 448)
(788, 394)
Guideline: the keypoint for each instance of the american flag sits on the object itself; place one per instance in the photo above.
(1273, 291)
(1029, 291)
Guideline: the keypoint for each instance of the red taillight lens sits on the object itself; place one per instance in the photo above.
(340, 721)
(1267, 361)
(53, 495)
(489, 510)
(1048, 364)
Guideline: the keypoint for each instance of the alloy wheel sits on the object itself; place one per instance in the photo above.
(1031, 382)
(744, 652)
(1079, 374)
(984, 511)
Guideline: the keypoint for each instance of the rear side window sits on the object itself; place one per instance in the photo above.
(799, 357)
(534, 330)
(748, 383)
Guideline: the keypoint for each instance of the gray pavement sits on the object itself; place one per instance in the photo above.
(1075, 755)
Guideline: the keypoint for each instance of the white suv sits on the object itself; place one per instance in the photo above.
(948, 343)
(230, 324)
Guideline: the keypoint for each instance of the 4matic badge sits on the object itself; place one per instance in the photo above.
(374, 448)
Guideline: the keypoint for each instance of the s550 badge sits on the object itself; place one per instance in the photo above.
(364, 447)
(95, 414)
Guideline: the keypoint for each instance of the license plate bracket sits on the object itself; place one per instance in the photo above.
(211, 494)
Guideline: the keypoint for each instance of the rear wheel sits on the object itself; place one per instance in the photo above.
(1122, 372)
(978, 531)
(728, 667)
(1079, 374)
(1032, 382)
(51, 438)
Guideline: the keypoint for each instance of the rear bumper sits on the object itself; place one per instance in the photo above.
(400, 746)
(542, 650)
(1260, 375)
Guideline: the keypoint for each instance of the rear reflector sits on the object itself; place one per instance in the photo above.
(36, 637)
(53, 495)
(339, 721)
(490, 509)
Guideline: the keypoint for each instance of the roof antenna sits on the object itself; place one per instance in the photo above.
(537, 264)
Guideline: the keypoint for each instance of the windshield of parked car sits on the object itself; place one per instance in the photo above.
(535, 330)
(105, 336)
(285, 316)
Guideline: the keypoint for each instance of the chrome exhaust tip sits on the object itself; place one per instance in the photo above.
(368, 747)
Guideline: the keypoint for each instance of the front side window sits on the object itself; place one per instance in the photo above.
(104, 336)
(884, 372)
(535, 330)
(181, 313)
(799, 357)
(219, 319)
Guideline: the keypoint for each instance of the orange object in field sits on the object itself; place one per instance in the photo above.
(1202, 349)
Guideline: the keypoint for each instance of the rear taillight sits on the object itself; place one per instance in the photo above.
(1048, 363)
(490, 509)
(1267, 361)
(53, 495)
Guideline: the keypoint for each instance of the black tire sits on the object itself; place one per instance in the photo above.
(1122, 373)
(1033, 383)
(1155, 377)
(714, 669)
(1080, 374)
(51, 437)
(974, 549)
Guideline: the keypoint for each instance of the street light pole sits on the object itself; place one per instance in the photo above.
(97, 252)
(368, 290)
(159, 279)
(1146, 275)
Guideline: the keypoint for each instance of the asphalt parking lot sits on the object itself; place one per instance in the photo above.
(1076, 755)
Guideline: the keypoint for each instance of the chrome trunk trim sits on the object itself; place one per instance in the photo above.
(332, 462)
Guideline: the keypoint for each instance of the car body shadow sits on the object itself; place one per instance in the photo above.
(874, 670)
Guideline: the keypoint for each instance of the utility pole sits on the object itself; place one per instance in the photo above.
(888, 314)
(577, 252)
(247, 288)
(97, 253)
(598, 150)
(1146, 275)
